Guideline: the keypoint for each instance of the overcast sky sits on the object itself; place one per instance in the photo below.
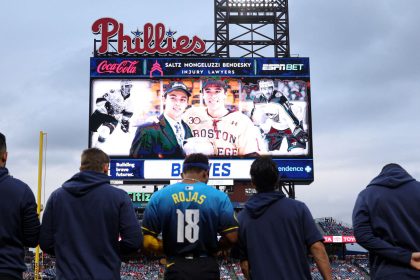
(365, 79)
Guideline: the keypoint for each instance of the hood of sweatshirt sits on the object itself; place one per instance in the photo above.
(392, 176)
(85, 181)
(4, 173)
(260, 202)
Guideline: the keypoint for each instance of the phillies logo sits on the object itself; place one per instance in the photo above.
(124, 67)
(155, 39)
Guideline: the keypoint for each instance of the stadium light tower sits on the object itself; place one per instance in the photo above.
(252, 28)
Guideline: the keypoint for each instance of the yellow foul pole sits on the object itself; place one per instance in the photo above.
(41, 148)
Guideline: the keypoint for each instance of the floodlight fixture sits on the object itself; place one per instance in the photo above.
(249, 4)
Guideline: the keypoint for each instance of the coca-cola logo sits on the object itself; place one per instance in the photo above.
(124, 67)
(153, 39)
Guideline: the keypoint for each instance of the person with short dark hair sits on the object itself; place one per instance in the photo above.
(230, 133)
(190, 214)
(165, 138)
(386, 222)
(88, 223)
(19, 223)
(276, 233)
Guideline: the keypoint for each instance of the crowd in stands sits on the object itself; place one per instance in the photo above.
(362, 263)
(142, 268)
(354, 267)
(230, 270)
(341, 270)
(330, 226)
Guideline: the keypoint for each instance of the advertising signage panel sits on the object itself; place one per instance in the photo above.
(147, 113)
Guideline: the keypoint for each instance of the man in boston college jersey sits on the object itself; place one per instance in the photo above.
(190, 214)
(230, 132)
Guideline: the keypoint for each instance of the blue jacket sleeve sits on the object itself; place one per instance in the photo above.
(131, 236)
(366, 237)
(151, 223)
(31, 225)
(311, 233)
(46, 240)
(242, 241)
(228, 221)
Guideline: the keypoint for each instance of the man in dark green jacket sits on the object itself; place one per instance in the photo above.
(165, 138)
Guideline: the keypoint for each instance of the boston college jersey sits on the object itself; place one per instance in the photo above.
(231, 135)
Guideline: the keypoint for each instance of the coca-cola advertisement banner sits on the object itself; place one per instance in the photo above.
(199, 67)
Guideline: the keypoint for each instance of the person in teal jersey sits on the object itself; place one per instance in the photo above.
(190, 215)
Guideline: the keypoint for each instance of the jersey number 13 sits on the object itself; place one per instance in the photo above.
(188, 225)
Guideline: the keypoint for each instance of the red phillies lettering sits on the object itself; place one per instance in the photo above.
(108, 27)
(124, 67)
(154, 39)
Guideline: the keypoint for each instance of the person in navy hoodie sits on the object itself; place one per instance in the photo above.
(386, 221)
(88, 223)
(277, 233)
(19, 223)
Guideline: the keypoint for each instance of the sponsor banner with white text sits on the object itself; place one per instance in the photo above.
(339, 239)
(137, 169)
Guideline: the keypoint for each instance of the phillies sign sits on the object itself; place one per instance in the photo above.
(153, 39)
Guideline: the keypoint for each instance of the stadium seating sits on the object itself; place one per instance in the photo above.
(355, 267)
(330, 226)
(342, 270)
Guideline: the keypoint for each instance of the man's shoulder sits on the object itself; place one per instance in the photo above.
(104, 189)
(15, 183)
(213, 195)
(112, 190)
(195, 112)
(149, 127)
(238, 116)
(294, 203)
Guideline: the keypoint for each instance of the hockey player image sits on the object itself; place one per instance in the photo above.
(273, 113)
(231, 133)
(111, 110)
(165, 137)
(266, 92)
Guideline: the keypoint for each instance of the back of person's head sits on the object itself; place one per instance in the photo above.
(3, 147)
(390, 166)
(195, 163)
(264, 174)
(3, 150)
(93, 159)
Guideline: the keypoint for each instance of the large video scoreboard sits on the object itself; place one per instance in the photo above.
(267, 104)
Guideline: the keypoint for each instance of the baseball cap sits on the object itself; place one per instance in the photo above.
(177, 86)
(215, 83)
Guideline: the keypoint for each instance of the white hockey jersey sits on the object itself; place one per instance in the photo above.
(119, 105)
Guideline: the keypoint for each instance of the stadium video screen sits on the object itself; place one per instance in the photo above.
(147, 114)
